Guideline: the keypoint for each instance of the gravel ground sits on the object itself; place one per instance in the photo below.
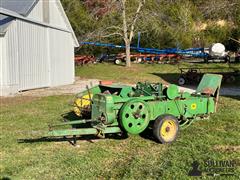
(80, 85)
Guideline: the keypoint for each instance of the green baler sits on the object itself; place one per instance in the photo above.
(119, 108)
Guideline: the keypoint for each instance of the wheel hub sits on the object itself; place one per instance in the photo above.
(136, 115)
(168, 130)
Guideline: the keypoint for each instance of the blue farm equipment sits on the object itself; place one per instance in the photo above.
(153, 53)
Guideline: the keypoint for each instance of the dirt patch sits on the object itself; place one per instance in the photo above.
(78, 86)
(229, 148)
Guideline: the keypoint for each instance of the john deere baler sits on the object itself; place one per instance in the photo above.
(119, 108)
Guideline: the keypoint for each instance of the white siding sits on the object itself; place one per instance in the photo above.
(2, 65)
(61, 57)
(37, 12)
(12, 56)
(33, 56)
(56, 17)
(3, 62)
(9, 61)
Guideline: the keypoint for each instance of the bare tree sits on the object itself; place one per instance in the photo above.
(129, 27)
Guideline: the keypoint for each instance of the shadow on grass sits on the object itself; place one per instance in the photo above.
(72, 140)
(168, 77)
(148, 133)
(172, 78)
(5, 178)
(71, 116)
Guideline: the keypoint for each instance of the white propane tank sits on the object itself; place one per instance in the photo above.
(217, 49)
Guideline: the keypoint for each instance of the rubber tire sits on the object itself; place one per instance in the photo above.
(157, 126)
(117, 61)
(139, 60)
(206, 59)
(183, 79)
(227, 59)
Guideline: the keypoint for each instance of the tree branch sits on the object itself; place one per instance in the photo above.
(125, 29)
(114, 27)
(112, 34)
(140, 5)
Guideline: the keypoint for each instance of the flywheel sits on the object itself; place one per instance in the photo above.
(135, 116)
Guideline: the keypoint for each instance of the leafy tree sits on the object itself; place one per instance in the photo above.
(163, 24)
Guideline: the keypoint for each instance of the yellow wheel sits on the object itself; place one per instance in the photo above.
(165, 128)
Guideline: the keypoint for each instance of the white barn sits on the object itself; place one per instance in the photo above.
(36, 45)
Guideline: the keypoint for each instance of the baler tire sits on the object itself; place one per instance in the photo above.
(159, 125)
(206, 59)
(117, 61)
(227, 59)
(181, 81)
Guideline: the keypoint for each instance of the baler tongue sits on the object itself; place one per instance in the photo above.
(210, 84)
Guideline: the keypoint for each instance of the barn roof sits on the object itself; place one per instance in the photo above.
(4, 23)
(19, 9)
(22, 7)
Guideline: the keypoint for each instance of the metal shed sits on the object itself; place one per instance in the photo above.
(36, 45)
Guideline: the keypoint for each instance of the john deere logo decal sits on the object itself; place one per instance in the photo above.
(193, 106)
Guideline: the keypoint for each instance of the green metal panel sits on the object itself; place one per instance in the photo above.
(211, 105)
(209, 84)
(187, 108)
(103, 108)
(82, 131)
(172, 91)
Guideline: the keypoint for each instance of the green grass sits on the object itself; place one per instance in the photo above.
(145, 72)
(133, 158)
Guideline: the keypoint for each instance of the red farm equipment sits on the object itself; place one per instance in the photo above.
(149, 58)
(80, 60)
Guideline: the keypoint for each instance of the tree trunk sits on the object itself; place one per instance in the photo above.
(128, 58)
